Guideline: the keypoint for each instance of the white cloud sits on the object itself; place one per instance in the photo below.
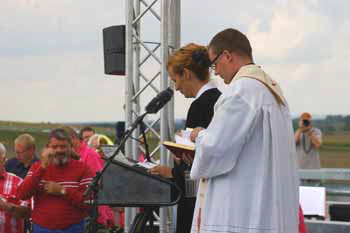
(51, 54)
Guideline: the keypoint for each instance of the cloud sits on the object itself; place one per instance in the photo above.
(67, 88)
(51, 54)
(39, 27)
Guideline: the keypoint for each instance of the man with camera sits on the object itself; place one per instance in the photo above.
(308, 140)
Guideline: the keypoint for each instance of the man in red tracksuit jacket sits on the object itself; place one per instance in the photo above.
(57, 184)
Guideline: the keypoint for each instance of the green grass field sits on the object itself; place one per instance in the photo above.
(335, 151)
(10, 130)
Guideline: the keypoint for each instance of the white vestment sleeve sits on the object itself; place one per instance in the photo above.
(219, 146)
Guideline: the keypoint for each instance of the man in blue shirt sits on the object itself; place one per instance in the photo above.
(25, 156)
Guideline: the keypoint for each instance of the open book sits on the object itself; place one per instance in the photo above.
(183, 144)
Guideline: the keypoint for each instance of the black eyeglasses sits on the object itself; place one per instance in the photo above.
(213, 62)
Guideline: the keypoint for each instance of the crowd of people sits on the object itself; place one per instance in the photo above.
(45, 193)
(245, 164)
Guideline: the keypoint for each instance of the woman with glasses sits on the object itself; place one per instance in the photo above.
(188, 68)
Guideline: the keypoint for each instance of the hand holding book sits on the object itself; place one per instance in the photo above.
(194, 133)
(183, 148)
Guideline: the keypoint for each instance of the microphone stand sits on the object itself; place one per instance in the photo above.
(93, 187)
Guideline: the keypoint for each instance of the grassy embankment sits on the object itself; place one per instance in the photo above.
(335, 151)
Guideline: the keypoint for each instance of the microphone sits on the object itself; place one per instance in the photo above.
(159, 101)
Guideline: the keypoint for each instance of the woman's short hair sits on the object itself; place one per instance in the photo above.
(193, 57)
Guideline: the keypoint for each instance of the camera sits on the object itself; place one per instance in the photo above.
(306, 123)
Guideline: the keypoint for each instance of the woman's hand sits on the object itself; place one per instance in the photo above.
(164, 171)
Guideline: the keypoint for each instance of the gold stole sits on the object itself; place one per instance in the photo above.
(255, 72)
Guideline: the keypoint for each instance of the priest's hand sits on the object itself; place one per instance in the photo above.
(194, 133)
(187, 158)
(164, 171)
(54, 188)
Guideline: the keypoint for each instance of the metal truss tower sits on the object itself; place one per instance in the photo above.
(152, 32)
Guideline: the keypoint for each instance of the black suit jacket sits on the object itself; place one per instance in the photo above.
(199, 115)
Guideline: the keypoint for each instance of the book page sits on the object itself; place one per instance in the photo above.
(147, 164)
(185, 139)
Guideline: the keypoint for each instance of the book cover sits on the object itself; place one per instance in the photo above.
(179, 149)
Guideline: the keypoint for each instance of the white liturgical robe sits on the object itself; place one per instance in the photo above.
(248, 155)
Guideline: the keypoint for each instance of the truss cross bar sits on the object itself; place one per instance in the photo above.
(155, 151)
(150, 127)
(144, 12)
(147, 81)
(148, 55)
(144, 88)
(151, 10)
(148, 50)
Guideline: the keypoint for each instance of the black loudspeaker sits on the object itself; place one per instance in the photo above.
(114, 49)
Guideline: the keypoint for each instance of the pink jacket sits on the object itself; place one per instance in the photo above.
(90, 157)
(95, 162)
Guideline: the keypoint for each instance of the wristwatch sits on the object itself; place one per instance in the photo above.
(63, 191)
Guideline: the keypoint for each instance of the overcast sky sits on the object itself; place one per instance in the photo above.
(51, 57)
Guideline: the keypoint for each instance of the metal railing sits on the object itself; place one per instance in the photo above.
(337, 184)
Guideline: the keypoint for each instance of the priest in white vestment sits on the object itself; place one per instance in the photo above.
(247, 153)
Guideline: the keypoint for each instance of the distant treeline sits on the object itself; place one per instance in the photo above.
(331, 123)
(179, 124)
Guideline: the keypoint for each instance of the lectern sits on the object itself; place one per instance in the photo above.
(127, 184)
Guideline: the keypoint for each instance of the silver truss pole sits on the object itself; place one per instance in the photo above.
(174, 42)
(164, 82)
(138, 82)
(136, 101)
(128, 87)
